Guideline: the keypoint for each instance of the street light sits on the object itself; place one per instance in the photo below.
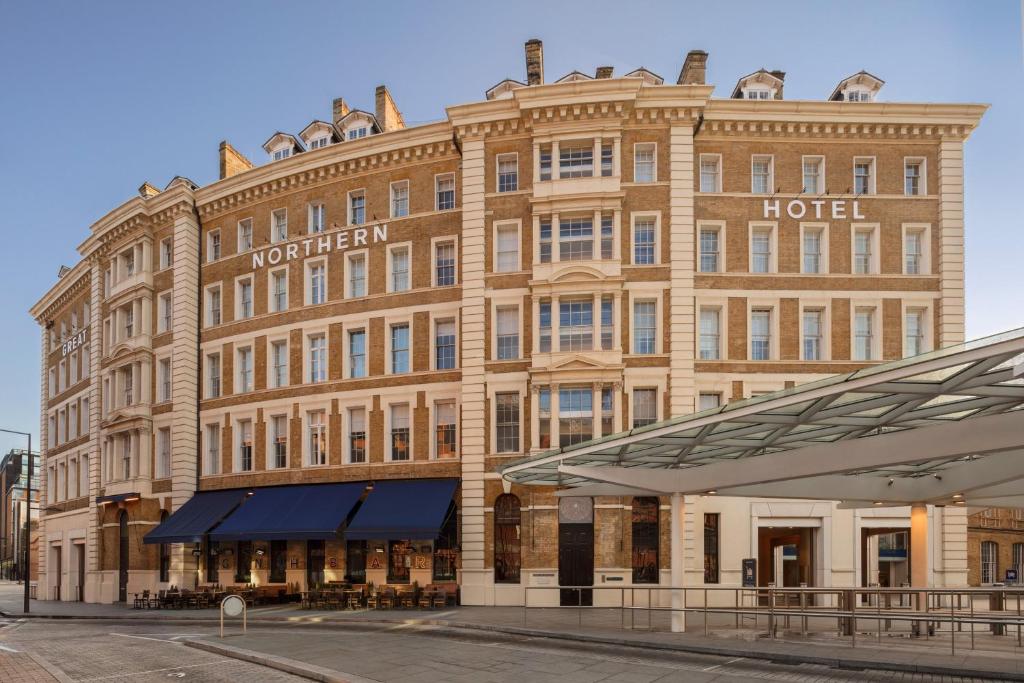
(28, 510)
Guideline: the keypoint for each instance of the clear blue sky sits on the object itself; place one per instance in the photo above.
(98, 97)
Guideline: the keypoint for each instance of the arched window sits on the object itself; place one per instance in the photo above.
(165, 555)
(507, 549)
(645, 540)
(989, 561)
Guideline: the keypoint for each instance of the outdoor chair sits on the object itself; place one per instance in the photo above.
(439, 598)
(388, 599)
(141, 601)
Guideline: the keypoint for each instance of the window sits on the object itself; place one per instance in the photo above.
(444, 345)
(644, 166)
(863, 175)
(545, 241)
(400, 348)
(166, 254)
(507, 539)
(644, 327)
(645, 407)
(279, 291)
(163, 452)
(913, 253)
(757, 94)
(545, 162)
(357, 435)
(643, 241)
(646, 537)
(1018, 558)
(507, 332)
(165, 555)
(316, 437)
(863, 339)
(317, 143)
(989, 562)
(444, 187)
(356, 133)
(213, 245)
(814, 180)
(400, 431)
(575, 415)
(508, 173)
(576, 325)
(812, 251)
(245, 235)
(164, 379)
(506, 421)
(211, 465)
(444, 264)
(127, 384)
(317, 283)
(709, 251)
(245, 298)
(357, 353)
(862, 258)
(282, 153)
(165, 321)
(279, 364)
(607, 322)
(213, 375)
(760, 334)
(914, 327)
(812, 334)
(913, 177)
(711, 526)
(356, 207)
(213, 306)
(607, 159)
(244, 370)
(279, 225)
(544, 417)
(506, 239)
(399, 268)
(761, 180)
(357, 275)
(607, 235)
(576, 160)
(708, 400)
(317, 358)
(761, 250)
(244, 446)
(400, 199)
(710, 173)
(444, 430)
(129, 324)
(544, 320)
(576, 239)
(317, 217)
(710, 334)
(279, 441)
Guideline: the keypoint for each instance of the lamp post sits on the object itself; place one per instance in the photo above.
(28, 510)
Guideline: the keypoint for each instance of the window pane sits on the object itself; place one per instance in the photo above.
(710, 340)
(644, 326)
(444, 257)
(507, 422)
(643, 241)
(400, 348)
(444, 345)
(507, 332)
(645, 407)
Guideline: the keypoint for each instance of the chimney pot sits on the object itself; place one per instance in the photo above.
(604, 71)
(534, 62)
(694, 68)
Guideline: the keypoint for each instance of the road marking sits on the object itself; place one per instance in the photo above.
(154, 671)
(731, 661)
(126, 635)
(8, 649)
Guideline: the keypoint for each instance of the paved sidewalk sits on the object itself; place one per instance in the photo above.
(21, 667)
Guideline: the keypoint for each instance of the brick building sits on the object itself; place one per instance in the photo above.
(995, 543)
(373, 321)
(13, 480)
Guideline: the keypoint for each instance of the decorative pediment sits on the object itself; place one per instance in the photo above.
(354, 121)
(761, 80)
(318, 130)
(574, 76)
(649, 77)
(862, 83)
(578, 274)
(503, 90)
(577, 363)
(283, 141)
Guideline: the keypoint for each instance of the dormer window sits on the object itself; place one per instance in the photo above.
(282, 154)
(282, 145)
(356, 133)
(860, 87)
(319, 142)
(757, 94)
(858, 95)
(760, 85)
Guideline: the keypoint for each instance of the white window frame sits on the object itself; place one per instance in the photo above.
(506, 303)
(873, 230)
(307, 356)
(771, 172)
(434, 243)
(272, 342)
(358, 192)
(274, 238)
(926, 309)
(239, 282)
(822, 306)
(166, 254)
(212, 436)
(356, 326)
(925, 232)
(389, 323)
(720, 309)
(239, 387)
(236, 438)
(208, 376)
(875, 307)
(634, 216)
(307, 453)
(497, 171)
(496, 226)
(643, 146)
(437, 191)
(163, 379)
(391, 249)
(345, 409)
(823, 259)
(245, 222)
(392, 187)
(214, 235)
(773, 244)
(165, 302)
(506, 387)
(435, 319)
(312, 210)
(872, 180)
(923, 185)
(388, 409)
(271, 294)
(270, 456)
(308, 266)
(719, 227)
(207, 306)
(772, 306)
(432, 410)
(719, 180)
(820, 189)
(350, 256)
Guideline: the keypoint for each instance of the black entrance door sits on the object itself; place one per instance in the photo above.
(81, 573)
(576, 563)
(314, 563)
(122, 560)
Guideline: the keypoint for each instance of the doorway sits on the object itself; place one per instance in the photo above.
(58, 571)
(785, 556)
(122, 559)
(885, 557)
(576, 550)
(80, 577)
(314, 564)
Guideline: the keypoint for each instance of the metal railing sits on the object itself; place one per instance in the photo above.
(927, 613)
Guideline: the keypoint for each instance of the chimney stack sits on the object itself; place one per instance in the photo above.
(388, 116)
(146, 190)
(339, 110)
(604, 71)
(534, 62)
(694, 68)
(232, 161)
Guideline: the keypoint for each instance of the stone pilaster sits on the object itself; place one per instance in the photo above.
(682, 327)
(950, 234)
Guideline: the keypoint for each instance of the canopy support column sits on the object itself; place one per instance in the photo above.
(678, 596)
(919, 554)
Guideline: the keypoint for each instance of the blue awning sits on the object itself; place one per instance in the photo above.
(196, 517)
(297, 512)
(410, 509)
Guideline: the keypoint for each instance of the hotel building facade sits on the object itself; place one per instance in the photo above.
(311, 370)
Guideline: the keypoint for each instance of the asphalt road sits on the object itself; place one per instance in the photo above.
(121, 651)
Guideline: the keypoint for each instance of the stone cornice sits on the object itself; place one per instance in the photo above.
(65, 289)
